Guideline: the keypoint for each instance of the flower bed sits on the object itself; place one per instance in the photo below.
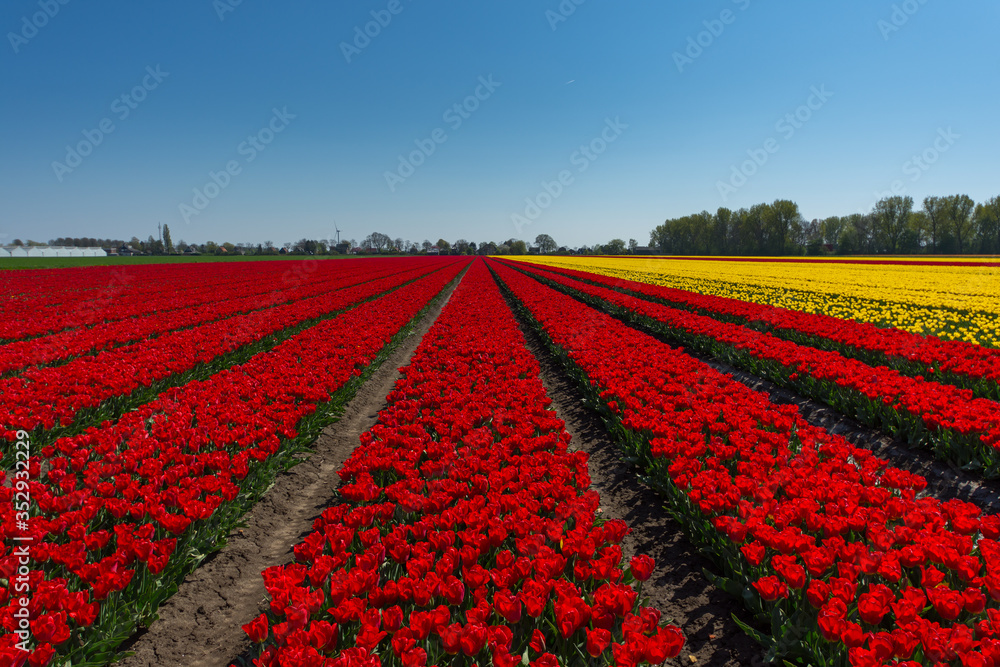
(42, 302)
(960, 363)
(179, 308)
(103, 385)
(120, 513)
(959, 427)
(466, 532)
(831, 544)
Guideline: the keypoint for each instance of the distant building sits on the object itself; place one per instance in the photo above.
(50, 251)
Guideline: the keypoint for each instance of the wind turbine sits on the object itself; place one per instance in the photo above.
(338, 232)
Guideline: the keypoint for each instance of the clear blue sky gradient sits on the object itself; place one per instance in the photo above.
(560, 82)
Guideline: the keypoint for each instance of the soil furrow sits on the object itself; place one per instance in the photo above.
(678, 588)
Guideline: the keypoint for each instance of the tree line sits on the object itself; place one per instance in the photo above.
(374, 243)
(952, 225)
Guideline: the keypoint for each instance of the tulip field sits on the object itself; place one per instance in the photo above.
(145, 410)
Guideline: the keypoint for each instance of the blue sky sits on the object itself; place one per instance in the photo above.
(617, 100)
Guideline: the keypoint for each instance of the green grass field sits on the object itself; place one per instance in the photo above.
(20, 263)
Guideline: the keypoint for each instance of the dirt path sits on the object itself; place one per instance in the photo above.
(200, 626)
(678, 587)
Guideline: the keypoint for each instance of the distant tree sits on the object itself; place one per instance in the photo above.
(306, 246)
(754, 240)
(782, 224)
(918, 229)
(987, 219)
(633, 245)
(154, 246)
(443, 246)
(614, 247)
(546, 244)
(935, 210)
(378, 241)
(167, 242)
(211, 247)
(18, 242)
(721, 233)
(959, 210)
(461, 247)
(518, 247)
(891, 217)
(831, 229)
(229, 247)
(269, 247)
(426, 245)
(810, 237)
(859, 233)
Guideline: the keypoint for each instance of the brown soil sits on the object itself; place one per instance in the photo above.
(678, 587)
(200, 625)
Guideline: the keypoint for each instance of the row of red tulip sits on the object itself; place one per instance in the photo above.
(839, 549)
(963, 364)
(187, 308)
(42, 302)
(52, 396)
(958, 426)
(466, 532)
(121, 512)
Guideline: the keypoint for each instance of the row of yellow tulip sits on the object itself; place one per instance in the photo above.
(950, 299)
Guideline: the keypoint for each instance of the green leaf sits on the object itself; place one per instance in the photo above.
(759, 637)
